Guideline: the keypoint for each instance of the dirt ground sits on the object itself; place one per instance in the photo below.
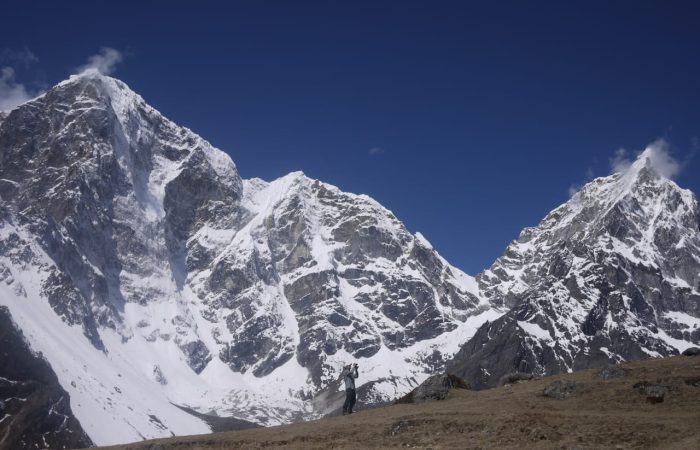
(598, 414)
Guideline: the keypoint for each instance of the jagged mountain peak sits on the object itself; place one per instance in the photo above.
(640, 193)
(638, 212)
(92, 89)
(648, 177)
(100, 101)
(99, 122)
(610, 275)
(104, 84)
(93, 84)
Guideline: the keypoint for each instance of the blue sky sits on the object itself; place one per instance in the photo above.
(469, 120)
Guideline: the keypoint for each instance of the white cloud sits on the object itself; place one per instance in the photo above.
(661, 159)
(103, 62)
(620, 162)
(12, 94)
(658, 155)
(376, 151)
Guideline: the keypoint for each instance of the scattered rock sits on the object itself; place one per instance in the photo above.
(611, 372)
(691, 351)
(560, 389)
(156, 421)
(655, 393)
(434, 388)
(401, 426)
(693, 382)
(543, 434)
(514, 377)
(158, 375)
(155, 447)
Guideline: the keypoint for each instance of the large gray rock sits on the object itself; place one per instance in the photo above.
(612, 372)
(436, 387)
(559, 389)
(514, 377)
(654, 392)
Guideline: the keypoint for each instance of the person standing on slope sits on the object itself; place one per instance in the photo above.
(349, 375)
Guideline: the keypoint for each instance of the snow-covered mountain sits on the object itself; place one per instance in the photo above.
(162, 289)
(152, 277)
(611, 275)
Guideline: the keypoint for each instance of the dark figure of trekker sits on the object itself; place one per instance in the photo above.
(349, 375)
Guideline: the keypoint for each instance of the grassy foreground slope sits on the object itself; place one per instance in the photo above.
(616, 413)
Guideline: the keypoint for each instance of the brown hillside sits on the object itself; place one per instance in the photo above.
(617, 413)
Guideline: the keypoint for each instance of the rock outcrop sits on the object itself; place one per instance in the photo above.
(436, 387)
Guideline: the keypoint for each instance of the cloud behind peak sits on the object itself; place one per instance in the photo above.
(104, 62)
(657, 155)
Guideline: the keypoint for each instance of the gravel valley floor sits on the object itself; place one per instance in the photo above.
(656, 404)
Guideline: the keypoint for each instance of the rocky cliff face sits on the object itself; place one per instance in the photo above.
(149, 273)
(612, 275)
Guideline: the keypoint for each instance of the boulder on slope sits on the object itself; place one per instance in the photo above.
(691, 351)
(437, 387)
